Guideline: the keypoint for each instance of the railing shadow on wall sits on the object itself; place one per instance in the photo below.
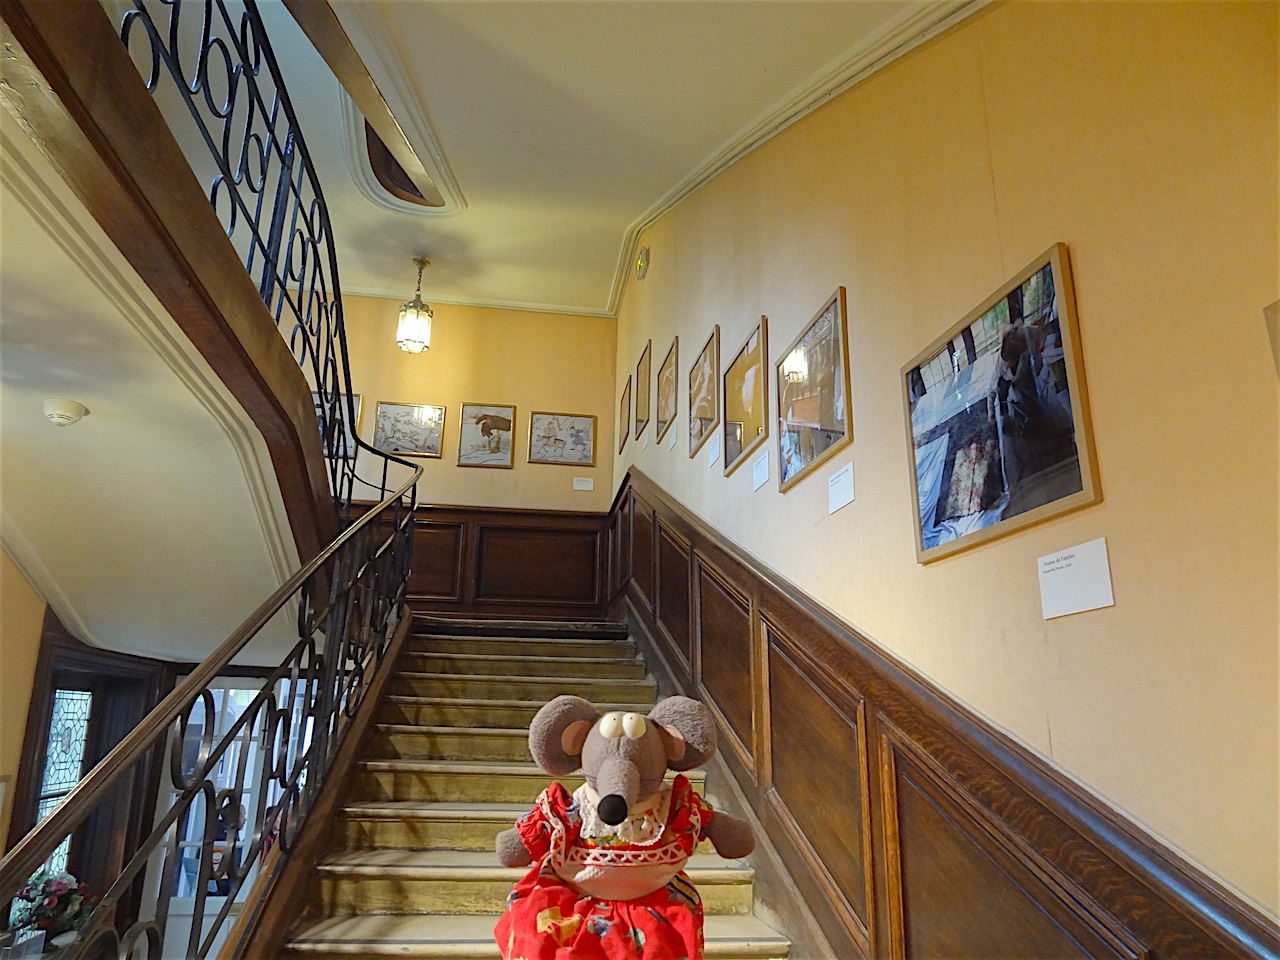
(911, 827)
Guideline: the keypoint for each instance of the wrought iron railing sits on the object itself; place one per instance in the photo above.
(210, 66)
(236, 794)
(276, 751)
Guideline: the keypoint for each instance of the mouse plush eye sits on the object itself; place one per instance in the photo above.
(633, 726)
(611, 726)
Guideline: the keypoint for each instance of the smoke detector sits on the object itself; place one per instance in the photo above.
(64, 412)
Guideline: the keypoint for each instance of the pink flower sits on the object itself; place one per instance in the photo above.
(83, 888)
(50, 903)
(58, 886)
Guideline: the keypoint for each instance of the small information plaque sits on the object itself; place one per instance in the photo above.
(713, 450)
(760, 471)
(584, 483)
(840, 488)
(671, 443)
(644, 441)
(1075, 580)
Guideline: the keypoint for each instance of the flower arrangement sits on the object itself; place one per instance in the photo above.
(53, 902)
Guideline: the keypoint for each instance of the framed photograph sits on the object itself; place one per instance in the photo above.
(485, 438)
(624, 416)
(812, 375)
(666, 414)
(746, 397)
(344, 444)
(998, 418)
(410, 429)
(704, 392)
(565, 438)
(643, 369)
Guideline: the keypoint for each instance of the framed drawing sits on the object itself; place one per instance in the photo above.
(814, 422)
(411, 429)
(344, 444)
(485, 439)
(624, 416)
(565, 438)
(746, 397)
(704, 392)
(997, 415)
(643, 369)
(666, 414)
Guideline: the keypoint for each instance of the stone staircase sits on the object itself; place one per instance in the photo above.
(411, 871)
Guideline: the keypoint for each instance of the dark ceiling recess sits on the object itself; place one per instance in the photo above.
(389, 172)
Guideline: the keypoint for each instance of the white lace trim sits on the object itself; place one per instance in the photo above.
(644, 829)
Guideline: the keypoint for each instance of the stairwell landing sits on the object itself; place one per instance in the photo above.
(410, 869)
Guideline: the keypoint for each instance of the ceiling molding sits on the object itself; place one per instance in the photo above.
(81, 239)
(405, 107)
(900, 36)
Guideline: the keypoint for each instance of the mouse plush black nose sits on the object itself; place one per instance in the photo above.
(613, 809)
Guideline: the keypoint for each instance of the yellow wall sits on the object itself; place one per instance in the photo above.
(21, 621)
(1144, 136)
(536, 361)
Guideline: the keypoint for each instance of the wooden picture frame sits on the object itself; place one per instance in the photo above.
(349, 445)
(624, 416)
(745, 388)
(567, 439)
(704, 392)
(644, 369)
(409, 429)
(486, 435)
(812, 384)
(665, 415)
(997, 415)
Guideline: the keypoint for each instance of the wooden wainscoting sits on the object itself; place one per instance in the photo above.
(911, 828)
(495, 562)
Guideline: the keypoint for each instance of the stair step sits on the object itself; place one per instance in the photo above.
(483, 664)
(604, 649)
(538, 689)
(449, 781)
(471, 938)
(456, 712)
(472, 882)
(413, 741)
(427, 625)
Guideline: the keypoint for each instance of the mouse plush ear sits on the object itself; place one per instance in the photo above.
(558, 732)
(688, 732)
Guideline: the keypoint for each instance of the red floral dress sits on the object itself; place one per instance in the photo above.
(597, 892)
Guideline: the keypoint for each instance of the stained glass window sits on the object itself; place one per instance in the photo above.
(64, 758)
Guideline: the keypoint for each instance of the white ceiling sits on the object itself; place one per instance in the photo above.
(558, 129)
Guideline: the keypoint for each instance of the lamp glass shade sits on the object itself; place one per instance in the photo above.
(413, 331)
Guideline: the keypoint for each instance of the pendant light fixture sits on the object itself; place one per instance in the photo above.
(413, 331)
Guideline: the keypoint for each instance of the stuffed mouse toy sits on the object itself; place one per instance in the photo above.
(607, 880)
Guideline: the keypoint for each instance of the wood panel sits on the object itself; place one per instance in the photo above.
(674, 564)
(642, 551)
(910, 826)
(521, 564)
(437, 560)
(725, 648)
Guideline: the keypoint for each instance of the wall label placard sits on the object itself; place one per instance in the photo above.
(760, 471)
(840, 488)
(1075, 580)
(713, 450)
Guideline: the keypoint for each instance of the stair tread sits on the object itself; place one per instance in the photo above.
(495, 767)
(524, 658)
(409, 700)
(398, 934)
(508, 677)
(422, 809)
(423, 728)
(402, 862)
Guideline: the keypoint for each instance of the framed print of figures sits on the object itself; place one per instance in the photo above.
(997, 415)
(565, 438)
(746, 397)
(813, 394)
(341, 444)
(624, 416)
(643, 369)
(704, 392)
(666, 414)
(411, 429)
(485, 439)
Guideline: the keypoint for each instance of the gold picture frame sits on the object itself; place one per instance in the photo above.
(997, 415)
(704, 392)
(643, 376)
(565, 439)
(409, 429)
(812, 385)
(745, 389)
(665, 415)
(486, 436)
(624, 416)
